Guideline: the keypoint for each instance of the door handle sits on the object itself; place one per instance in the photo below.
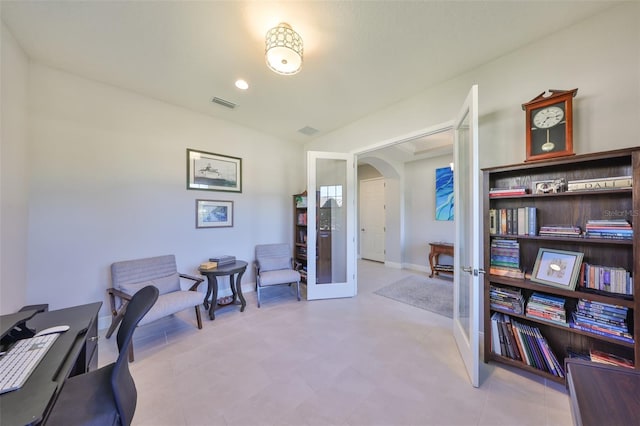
(472, 271)
(362, 229)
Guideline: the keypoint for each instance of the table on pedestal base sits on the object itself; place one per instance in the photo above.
(234, 271)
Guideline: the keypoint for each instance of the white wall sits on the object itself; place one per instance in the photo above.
(108, 183)
(421, 226)
(599, 56)
(14, 174)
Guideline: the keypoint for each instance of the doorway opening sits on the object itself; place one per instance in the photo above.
(396, 226)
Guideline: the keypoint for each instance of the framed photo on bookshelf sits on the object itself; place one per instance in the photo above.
(214, 214)
(213, 172)
(557, 268)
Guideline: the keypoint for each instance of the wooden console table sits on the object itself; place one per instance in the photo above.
(434, 255)
(603, 394)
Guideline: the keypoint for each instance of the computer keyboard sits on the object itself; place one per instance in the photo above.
(19, 362)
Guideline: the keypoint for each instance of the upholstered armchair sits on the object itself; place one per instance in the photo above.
(274, 266)
(129, 276)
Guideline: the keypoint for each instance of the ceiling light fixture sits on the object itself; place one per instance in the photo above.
(283, 49)
(242, 84)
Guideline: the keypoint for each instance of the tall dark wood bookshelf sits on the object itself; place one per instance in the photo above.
(575, 208)
(300, 234)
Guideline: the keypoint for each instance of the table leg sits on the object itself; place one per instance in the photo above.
(239, 290)
(214, 298)
(205, 303)
(432, 255)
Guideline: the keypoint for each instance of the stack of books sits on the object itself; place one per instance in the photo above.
(602, 319)
(560, 231)
(507, 192)
(547, 308)
(223, 260)
(607, 278)
(505, 258)
(607, 358)
(609, 228)
(505, 253)
(506, 299)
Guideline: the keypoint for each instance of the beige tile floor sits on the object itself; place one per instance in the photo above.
(366, 360)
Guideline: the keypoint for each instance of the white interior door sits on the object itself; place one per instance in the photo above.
(331, 213)
(372, 219)
(466, 279)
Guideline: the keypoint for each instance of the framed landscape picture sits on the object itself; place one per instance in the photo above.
(214, 214)
(213, 172)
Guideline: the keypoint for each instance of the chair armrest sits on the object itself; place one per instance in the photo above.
(256, 266)
(115, 292)
(197, 280)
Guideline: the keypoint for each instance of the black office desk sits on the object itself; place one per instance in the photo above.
(74, 352)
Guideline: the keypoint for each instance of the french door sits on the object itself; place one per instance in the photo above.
(331, 213)
(466, 280)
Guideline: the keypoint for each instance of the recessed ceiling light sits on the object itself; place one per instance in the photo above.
(241, 84)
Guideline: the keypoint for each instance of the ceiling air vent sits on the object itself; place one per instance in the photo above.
(223, 102)
(307, 130)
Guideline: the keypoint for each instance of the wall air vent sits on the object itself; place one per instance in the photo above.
(223, 102)
(307, 130)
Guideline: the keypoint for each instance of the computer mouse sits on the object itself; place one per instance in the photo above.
(52, 330)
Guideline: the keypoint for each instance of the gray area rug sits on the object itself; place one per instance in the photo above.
(435, 295)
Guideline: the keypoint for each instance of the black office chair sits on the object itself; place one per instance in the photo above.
(106, 396)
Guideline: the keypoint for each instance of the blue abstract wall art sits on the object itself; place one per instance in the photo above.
(444, 193)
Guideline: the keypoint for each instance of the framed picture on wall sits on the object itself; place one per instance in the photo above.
(213, 172)
(444, 193)
(214, 214)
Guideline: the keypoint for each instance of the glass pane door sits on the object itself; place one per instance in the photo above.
(331, 214)
(466, 280)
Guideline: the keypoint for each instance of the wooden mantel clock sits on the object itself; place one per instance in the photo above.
(549, 124)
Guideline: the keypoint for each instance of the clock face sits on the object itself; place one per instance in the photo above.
(548, 117)
(548, 129)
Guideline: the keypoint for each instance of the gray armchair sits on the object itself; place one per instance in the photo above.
(274, 266)
(129, 276)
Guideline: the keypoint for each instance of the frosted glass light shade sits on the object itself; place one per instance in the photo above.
(283, 49)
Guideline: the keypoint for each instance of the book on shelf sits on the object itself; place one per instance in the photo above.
(560, 231)
(505, 253)
(539, 353)
(617, 182)
(602, 319)
(506, 192)
(607, 358)
(503, 271)
(513, 221)
(547, 308)
(506, 299)
(302, 218)
(609, 228)
(608, 279)
(511, 349)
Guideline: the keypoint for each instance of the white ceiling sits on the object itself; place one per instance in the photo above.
(359, 56)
